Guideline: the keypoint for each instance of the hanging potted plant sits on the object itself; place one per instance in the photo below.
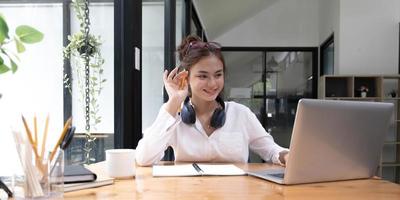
(84, 53)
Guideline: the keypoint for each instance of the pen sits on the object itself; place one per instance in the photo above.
(66, 126)
(197, 168)
(182, 83)
(64, 144)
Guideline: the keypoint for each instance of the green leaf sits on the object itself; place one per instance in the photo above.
(4, 69)
(1, 60)
(3, 29)
(14, 66)
(28, 34)
(20, 46)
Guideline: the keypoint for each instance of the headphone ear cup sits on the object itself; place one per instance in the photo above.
(188, 114)
(218, 118)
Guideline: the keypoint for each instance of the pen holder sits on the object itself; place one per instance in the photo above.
(41, 179)
(56, 176)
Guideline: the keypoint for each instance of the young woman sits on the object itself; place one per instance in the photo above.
(197, 123)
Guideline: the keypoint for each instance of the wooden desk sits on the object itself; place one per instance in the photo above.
(144, 186)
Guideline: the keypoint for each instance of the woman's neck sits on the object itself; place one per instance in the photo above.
(203, 107)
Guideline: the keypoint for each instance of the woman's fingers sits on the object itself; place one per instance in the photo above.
(165, 76)
(176, 80)
(172, 74)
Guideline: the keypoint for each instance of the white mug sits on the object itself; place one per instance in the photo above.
(120, 163)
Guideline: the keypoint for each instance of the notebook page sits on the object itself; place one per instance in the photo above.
(221, 170)
(174, 170)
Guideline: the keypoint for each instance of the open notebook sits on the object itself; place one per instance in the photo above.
(197, 170)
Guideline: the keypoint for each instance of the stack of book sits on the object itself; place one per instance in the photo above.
(78, 177)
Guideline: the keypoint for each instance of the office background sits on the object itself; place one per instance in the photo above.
(365, 36)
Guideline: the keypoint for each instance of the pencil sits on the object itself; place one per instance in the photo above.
(182, 84)
(53, 153)
(46, 127)
(35, 130)
(37, 157)
(28, 132)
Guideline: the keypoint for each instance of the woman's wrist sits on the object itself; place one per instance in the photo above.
(283, 156)
(172, 106)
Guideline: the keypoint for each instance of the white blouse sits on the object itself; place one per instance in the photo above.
(230, 143)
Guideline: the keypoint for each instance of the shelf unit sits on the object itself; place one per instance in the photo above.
(382, 88)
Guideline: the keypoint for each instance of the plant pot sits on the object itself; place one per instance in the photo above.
(363, 94)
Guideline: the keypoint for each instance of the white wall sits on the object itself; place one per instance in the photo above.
(285, 23)
(369, 37)
(366, 31)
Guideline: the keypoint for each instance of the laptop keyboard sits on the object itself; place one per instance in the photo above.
(269, 173)
(280, 175)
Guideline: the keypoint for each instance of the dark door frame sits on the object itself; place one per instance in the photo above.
(127, 79)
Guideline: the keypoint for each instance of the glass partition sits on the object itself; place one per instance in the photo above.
(289, 76)
(270, 84)
(152, 60)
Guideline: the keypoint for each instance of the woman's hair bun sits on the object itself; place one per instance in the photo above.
(183, 47)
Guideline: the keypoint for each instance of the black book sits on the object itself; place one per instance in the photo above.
(78, 174)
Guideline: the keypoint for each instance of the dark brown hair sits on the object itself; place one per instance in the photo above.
(192, 50)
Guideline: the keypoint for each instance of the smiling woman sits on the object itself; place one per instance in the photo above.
(207, 129)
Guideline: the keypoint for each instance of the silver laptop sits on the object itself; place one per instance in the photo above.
(333, 140)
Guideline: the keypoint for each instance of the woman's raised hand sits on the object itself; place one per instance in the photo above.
(177, 88)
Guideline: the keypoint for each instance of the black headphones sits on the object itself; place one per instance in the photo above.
(188, 114)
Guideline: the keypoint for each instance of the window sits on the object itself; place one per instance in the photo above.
(152, 60)
(327, 57)
(101, 24)
(36, 87)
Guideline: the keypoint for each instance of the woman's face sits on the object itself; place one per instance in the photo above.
(206, 78)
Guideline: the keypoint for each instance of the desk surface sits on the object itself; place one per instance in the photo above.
(144, 186)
